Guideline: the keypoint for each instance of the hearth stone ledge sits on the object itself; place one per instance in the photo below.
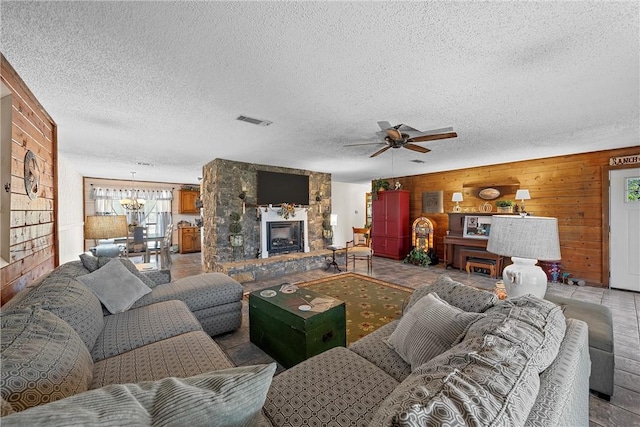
(250, 270)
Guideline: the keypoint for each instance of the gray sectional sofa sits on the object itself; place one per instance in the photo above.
(58, 340)
(457, 356)
(521, 363)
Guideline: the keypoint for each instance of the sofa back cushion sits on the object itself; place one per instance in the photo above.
(457, 294)
(490, 378)
(42, 358)
(71, 301)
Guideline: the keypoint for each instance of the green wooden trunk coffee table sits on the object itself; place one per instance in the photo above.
(279, 324)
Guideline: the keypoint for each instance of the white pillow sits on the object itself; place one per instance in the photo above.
(115, 286)
(428, 329)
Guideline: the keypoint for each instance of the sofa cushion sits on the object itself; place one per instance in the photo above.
(92, 263)
(143, 326)
(180, 356)
(199, 292)
(231, 397)
(68, 299)
(597, 316)
(42, 358)
(373, 348)
(115, 286)
(306, 395)
(497, 364)
(429, 328)
(455, 293)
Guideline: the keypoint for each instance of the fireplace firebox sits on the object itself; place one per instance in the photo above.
(285, 237)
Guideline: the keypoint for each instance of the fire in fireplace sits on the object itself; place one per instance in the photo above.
(285, 236)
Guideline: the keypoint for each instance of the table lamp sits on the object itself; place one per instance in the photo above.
(457, 197)
(101, 227)
(522, 195)
(526, 239)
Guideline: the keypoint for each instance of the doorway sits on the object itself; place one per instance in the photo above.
(624, 229)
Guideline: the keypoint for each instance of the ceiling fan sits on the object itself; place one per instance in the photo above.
(403, 136)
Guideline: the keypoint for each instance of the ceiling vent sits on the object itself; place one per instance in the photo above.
(254, 121)
(417, 161)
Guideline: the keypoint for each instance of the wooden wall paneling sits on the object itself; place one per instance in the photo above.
(568, 187)
(33, 238)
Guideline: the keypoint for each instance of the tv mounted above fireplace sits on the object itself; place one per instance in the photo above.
(275, 188)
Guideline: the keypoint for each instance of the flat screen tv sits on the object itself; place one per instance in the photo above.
(275, 188)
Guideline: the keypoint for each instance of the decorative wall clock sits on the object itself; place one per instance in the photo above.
(31, 175)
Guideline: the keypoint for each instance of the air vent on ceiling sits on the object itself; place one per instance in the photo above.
(417, 161)
(254, 121)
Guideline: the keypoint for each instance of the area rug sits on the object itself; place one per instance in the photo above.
(370, 303)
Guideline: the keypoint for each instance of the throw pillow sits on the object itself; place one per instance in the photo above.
(93, 263)
(90, 262)
(225, 398)
(457, 294)
(115, 286)
(428, 329)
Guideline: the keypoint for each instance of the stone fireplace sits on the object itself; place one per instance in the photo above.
(279, 235)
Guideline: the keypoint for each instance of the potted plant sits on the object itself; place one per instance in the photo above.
(327, 230)
(235, 228)
(378, 185)
(505, 206)
(418, 257)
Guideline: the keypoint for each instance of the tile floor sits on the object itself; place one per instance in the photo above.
(622, 410)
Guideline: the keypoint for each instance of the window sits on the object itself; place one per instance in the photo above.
(632, 190)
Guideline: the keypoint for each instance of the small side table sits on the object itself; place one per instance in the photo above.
(333, 262)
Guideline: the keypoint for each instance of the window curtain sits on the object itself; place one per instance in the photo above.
(107, 202)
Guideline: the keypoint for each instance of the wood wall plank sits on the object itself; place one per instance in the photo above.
(566, 187)
(33, 240)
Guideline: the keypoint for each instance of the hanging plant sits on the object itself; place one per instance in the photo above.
(379, 185)
(235, 227)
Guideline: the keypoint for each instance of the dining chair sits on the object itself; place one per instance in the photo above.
(359, 248)
(165, 249)
(137, 244)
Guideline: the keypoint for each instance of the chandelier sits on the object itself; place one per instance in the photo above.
(132, 204)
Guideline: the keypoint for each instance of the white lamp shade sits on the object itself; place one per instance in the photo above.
(524, 237)
(457, 197)
(523, 195)
(334, 219)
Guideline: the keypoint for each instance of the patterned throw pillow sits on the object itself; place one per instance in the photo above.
(115, 286)
(43, 359)
(225, 398)
(428, 329)
(457, 294)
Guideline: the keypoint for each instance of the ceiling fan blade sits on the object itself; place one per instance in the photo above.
(433, 137)
(436, 131)
(364, 143)
(417, 148)
(407, 129)
(380, 151)
(384, 125)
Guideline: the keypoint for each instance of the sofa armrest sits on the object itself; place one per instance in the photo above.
(159, 277)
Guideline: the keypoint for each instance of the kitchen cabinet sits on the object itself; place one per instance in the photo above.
(187, 202)
(189, 239)
(391, 228)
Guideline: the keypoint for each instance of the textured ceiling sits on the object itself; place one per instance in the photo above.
(163, 82)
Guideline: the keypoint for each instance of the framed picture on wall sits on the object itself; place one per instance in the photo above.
(477, 227)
